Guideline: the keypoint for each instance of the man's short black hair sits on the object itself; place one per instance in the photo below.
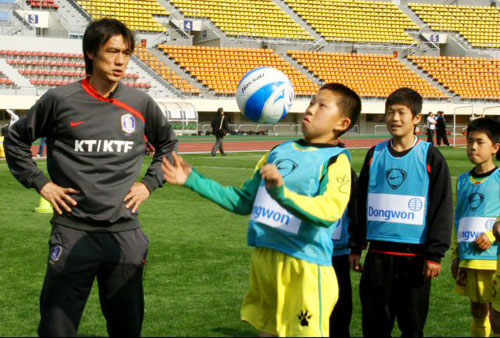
(349, 104)
(98, 33)
(488, 126)
(407, 97)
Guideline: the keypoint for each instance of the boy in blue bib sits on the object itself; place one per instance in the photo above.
(340, 319)
(406, 214)
(298, 192)
(478, 205)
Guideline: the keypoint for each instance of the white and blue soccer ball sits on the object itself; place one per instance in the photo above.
(265, 95)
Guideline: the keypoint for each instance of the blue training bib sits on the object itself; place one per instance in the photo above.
(272, 226)
(478, 206)
(398, 195)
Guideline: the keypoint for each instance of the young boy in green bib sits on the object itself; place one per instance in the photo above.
(298, 192)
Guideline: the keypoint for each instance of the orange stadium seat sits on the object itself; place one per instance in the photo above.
(370, 75)
(165, 72)
(226, 66)
(469, 78)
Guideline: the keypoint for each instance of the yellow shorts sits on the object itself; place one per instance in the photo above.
(288, 296)
(478, 285)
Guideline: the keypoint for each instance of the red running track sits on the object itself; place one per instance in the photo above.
(229, 146)
(234, 146)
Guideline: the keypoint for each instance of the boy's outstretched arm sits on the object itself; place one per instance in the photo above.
(325, 208)
(233, 199)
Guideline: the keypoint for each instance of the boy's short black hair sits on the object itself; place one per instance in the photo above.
(98, 33)
(349, 104)
(407, 97)
(488, 126)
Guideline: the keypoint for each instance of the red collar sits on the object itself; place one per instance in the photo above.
(93, 92)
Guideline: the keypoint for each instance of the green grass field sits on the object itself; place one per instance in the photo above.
(198, 264)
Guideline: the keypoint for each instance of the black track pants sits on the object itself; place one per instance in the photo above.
(76, 258)
(340, 320)
(393, 286)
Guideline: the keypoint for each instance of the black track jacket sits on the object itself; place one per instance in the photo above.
(94, 145)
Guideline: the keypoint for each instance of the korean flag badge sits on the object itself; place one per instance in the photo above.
(128, 124)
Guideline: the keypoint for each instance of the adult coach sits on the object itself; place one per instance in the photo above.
(96, 132)
(441, 129)
(220, 127)
(431, 127)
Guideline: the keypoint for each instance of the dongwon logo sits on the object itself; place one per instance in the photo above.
(489, 224)
(415, 204)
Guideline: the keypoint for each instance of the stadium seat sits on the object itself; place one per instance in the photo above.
(53, 68)
(138, 17)
(467, 77)
(226, 66)
(478, 24)
(245, 18)
(356, 20)
(370, 75)
(165, 72)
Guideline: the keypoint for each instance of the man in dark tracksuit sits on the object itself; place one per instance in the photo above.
(441, 129)
(96, 132)
(220, 127)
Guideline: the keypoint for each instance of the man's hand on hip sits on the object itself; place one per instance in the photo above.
(58, 196)
(136, 196)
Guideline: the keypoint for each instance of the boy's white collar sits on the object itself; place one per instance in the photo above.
(413, 145)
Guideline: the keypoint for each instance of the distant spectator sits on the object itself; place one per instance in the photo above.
(41, 148)
(431, 127)
(220, 127)
(441, 129)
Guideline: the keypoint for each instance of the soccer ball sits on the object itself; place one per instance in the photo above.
(265, 95)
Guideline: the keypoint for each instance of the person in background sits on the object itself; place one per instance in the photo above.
(41, 149)
(431, 127)
(441, 129)
(220, 127)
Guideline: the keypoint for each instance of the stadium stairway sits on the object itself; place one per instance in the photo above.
(21, 27)
(74, 14)
(170, 90)
(14, 75)
(429, 79)
(159, 89)
(414, 17)
(298, 19)
(311, 76)
(204, 90)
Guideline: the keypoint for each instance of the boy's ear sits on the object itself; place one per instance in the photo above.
(417, 118)
(343, 124)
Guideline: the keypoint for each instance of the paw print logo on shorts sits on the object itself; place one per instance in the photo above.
(304, 318)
